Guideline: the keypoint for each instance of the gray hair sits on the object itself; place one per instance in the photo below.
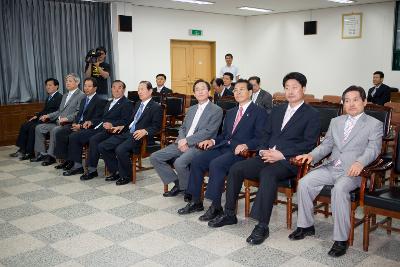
(74, 76)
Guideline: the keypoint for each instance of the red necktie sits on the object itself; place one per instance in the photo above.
(238, 118)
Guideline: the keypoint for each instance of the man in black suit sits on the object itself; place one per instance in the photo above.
(146, 120)
(160, 88)
(117, 112)
(219, 89)
(26, 137)
(260, 97)
(292, 129)
(228, 79)
(244, 127)
(380, 93)
(91, 108)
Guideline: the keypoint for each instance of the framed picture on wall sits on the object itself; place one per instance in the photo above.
(351, 25)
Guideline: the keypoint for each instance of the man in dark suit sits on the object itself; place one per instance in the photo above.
(117, 112)
(244, 127)
(219, 89)
(380, 93)
(146, 120)
(260, 97)
(26, 137)
(160, 88)
(292, 129)
(228, 79)
(91, 108)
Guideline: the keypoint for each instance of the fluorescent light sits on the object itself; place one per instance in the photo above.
(195, 2)
(342, 1)
(255, 9)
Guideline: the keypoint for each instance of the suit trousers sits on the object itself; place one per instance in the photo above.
(77, 140)
(40, 132)
(309, 188)
(26, 136)
(217, 161)
(61, 147)
(116, 152)
(160, 158)
(268, 175)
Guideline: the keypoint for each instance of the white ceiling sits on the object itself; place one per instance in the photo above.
(229, 7)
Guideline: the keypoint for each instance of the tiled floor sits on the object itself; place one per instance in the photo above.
(50, 220)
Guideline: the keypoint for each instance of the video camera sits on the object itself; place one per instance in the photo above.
(92, 56)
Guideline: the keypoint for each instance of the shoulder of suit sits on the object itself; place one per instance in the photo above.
(371, 119)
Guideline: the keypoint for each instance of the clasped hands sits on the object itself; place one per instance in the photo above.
(271, 155)
(355, 168)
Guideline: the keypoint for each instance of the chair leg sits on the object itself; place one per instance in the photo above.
(203, 189)
(289, 208)
(352, 223)
(134, 160)
(366, 231)
(247, 201)
(326, 210)
(389, 225)
(165, 188)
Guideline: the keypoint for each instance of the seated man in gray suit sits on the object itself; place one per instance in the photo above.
(353, 140)
(260, 97)
(63, 117)
(202, 122)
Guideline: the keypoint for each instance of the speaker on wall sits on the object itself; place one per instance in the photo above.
(310, 27)
(125, 23)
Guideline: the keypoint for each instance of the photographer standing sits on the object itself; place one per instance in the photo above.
(98, 69)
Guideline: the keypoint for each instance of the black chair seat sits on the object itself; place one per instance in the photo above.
(289, 183)
(385, 198)
(326, 192)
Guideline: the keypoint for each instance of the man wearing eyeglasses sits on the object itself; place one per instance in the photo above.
(99, 70)
(244, 128)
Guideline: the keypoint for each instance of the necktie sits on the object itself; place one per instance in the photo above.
(347, 129)
(137, 116)
(238, 118)
(49, 98)
(84, 108)
(373, 92)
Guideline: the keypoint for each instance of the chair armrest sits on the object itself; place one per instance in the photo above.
(248, 153)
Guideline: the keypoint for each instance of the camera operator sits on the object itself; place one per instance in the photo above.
(98, 69)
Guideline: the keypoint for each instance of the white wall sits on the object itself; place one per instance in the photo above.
(268, 46)
(330, 63)
(145, 52)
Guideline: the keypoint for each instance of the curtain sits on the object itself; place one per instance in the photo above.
(40, 39)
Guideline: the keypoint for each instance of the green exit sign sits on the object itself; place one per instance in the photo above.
(195, 32)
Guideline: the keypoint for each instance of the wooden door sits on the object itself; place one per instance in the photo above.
(190, 61)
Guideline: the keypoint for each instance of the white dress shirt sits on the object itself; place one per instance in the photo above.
(144, 106)
(70, 93)
(289, 114)
(196, 118)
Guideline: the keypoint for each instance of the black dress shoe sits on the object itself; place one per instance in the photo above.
(48, 161)
(26, 157)
(338, 249)
(258, 235)
(74, 171)
(15, 154)
(89, 175)
(112, 177)
(301, 233)
(38, 158)
(211, 213)
(187, 197)
(173, 192)
(223, 220)
(123, 180)
(62, 165)
(191, 207)
(68, 166)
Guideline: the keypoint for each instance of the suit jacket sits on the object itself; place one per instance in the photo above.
(118, 115)
(299, 136)
(150, 120)
(363, 143)
(264, 100)
(93, 111)
(207, 126)
(69, 110)
(381, 96)
(51, 106)
(249, 131)
(164, 90)
(226, 93)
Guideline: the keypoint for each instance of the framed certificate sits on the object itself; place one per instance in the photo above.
(351, 25)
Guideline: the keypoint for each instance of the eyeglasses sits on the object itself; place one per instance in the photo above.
(239, 90)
